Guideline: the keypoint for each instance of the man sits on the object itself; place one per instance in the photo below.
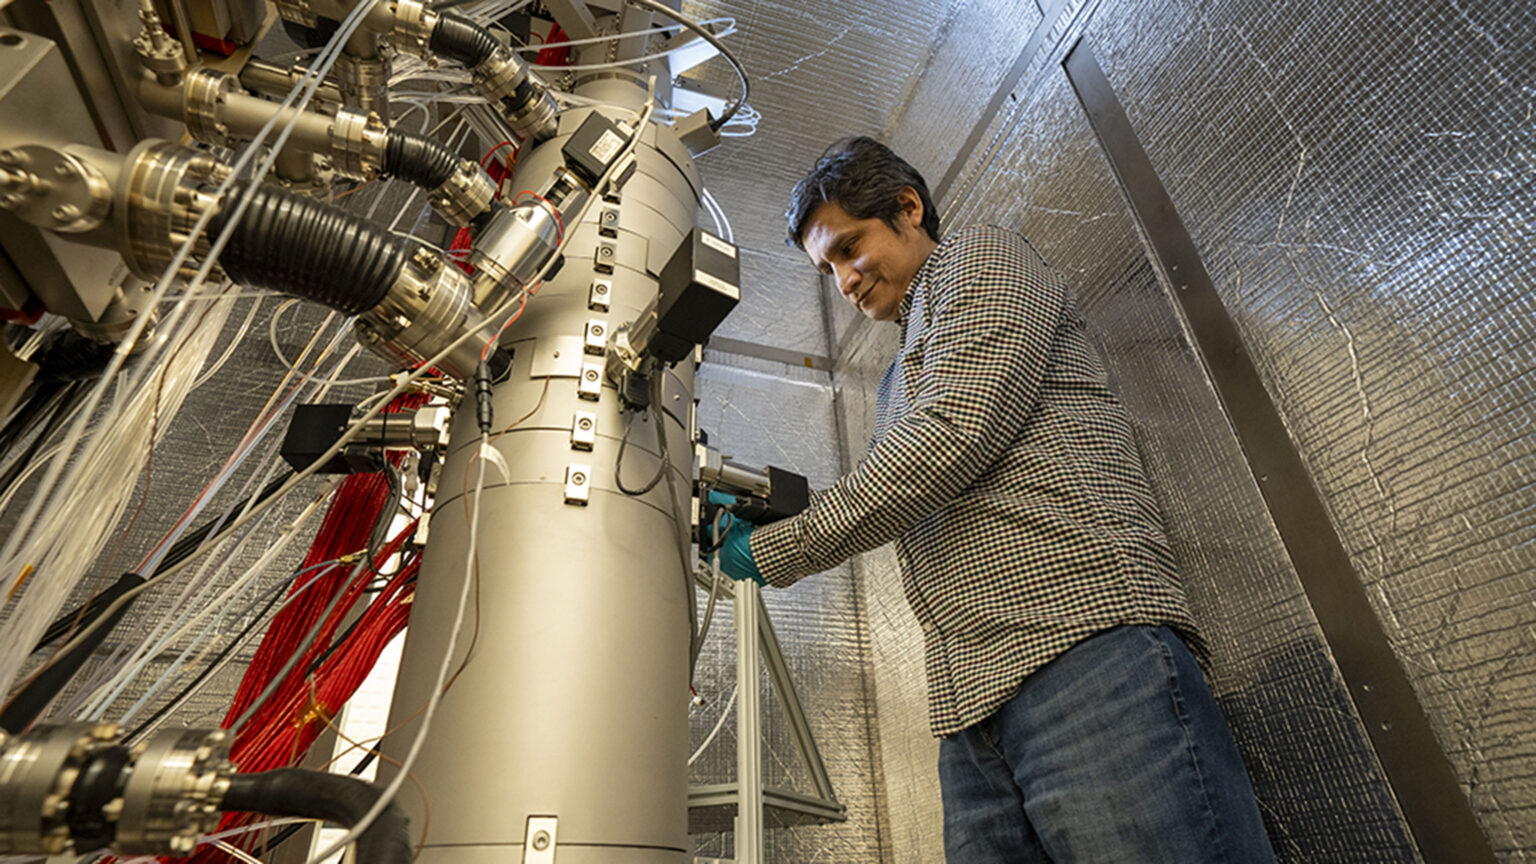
(1074, 722)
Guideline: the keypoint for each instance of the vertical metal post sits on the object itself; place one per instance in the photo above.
(749, 741)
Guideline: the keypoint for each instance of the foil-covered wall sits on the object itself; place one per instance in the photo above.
(1344, 172)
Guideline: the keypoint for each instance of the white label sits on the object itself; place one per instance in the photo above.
(608, 145)
(720, 285)
(717, 244)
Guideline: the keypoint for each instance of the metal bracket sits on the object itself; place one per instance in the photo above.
(591, 382)
(542, 834)
(578, 484)
(583, 430)
(600, 295)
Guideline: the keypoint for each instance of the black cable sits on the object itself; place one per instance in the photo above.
(462, 40)
(386, 515)
(418, 159)
(282, 836)
(618, 462)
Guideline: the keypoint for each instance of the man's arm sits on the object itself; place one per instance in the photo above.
(994, 309)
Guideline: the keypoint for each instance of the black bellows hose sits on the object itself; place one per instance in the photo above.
(332, 797)
(312, 250)
(419, 160)
(463, 40)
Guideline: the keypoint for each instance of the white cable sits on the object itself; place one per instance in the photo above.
(722, 225)
(234, 342)
(727, 30)
(278, 351)
(724, 713)
(222, 600)
(233, 851)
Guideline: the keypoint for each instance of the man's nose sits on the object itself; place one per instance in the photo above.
(847, 279)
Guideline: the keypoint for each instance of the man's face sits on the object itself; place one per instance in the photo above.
(872, 263)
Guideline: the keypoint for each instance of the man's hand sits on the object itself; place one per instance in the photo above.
(735, 548)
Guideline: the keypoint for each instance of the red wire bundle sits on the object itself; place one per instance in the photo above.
(282, 730)
(559, 55)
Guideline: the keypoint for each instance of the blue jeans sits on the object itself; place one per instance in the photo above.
(1113, 752)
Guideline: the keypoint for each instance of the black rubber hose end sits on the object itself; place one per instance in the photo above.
(419, 160)
(332, 797)
(462, 40)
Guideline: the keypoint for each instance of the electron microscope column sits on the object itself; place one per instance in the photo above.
(573, 706)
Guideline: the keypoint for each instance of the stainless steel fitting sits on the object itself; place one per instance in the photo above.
(358, 143)
(179, 778)
(203, 94)
(160, 194)
(414, 23)
(429, 306)
(53, 189)
(297, 11)
(511, 250)
(159, 53)
(465, 194)
(363, 82)
(174, 784)
(525, 101)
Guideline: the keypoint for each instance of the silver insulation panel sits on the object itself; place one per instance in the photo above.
(1343, 183)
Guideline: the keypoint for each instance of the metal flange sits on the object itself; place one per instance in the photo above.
(53, 189)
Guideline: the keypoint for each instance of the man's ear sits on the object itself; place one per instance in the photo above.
(911, 206)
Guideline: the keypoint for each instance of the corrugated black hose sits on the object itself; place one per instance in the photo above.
(312, 250)
(332, 797)
(463, 40)
(417, 159)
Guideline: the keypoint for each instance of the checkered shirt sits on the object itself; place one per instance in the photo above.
(1006, 471)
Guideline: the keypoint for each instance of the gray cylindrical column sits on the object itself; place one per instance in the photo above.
(574, 702)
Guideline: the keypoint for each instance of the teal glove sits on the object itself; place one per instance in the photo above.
(736, 549)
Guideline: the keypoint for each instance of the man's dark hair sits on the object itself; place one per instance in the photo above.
(862, 176)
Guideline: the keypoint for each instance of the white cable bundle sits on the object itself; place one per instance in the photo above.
(79, 525)
(46, 538)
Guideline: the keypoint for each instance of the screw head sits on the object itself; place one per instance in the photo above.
(600, 288)
(591, 375)
(585, 424)
(597, 329)
(12, 157)
(10, 201)
(541, 839)
(578, 478)
(63, 169)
